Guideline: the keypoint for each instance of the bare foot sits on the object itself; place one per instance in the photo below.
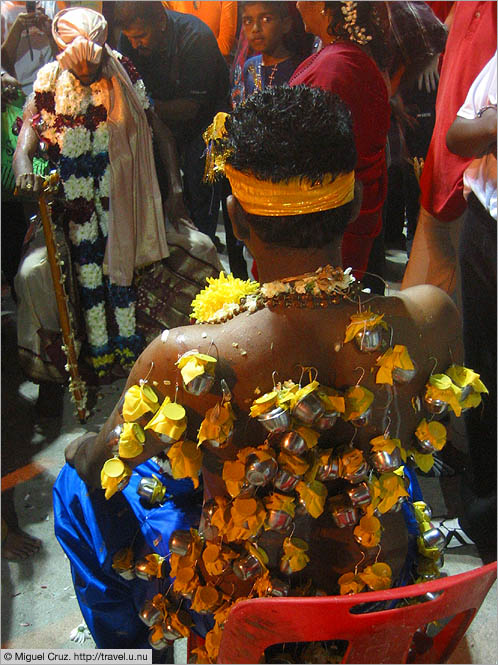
(19, 545)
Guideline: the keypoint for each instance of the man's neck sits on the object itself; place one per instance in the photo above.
(279, 262)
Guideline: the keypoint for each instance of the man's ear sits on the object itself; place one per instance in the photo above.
(238, 218)
(286, 25)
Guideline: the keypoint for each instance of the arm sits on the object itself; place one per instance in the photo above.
(175, 206)
(24, 22)
(473, 137)
(228, 27)
(27, 144)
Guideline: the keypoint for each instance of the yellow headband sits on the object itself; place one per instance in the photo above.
(295, 197)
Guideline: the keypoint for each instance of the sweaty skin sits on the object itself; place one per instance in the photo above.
(423, 318)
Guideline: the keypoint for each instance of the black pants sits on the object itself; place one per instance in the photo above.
(477, 255)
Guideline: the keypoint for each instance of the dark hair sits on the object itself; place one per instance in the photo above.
(126, 13)
(287, 132)
(279, 8)
(372, 16)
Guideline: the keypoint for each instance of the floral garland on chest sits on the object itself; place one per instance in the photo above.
(71, 122)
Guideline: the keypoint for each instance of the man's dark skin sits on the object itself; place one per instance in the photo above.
(423, 318)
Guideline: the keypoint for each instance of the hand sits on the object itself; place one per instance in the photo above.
(430, 75)
(10, 88)
(176, 211)
(29, 185)
(37, 19)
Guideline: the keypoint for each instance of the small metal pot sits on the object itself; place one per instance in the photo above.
(398, 505)
(278, 520)
(214, 443)
(344, 515)
(152, 490)
(385, 462)
(403, 375)
(369, 340)
(127, 573)
(285, 481)
(112, 440)
(435, 406)
(326, 421)
(200, 385)
(362, 419)
(258, 472)
(285, 567)
(426, 509)
(169, 632)
(424, 446)
(149, 614)
(140, 570)
(357, 476)
(279, 589)
(308, 409)
(359, 495)
(158, 644)
(276, 420)
(247, 567)
(329, 471)
(293, 443)
(434, 538)
(180, 541)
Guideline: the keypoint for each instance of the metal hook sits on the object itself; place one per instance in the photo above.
(210, 346)
(363, 557)
(143, 381)
(227, 395)
(378, 553)
(391, 335)
(387, 427)
(435, 364)
(362, 370)
(273, 375)
(176, 390)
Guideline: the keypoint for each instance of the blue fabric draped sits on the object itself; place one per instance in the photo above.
(91, 530)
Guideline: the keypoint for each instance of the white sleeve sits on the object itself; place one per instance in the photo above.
(482, 92)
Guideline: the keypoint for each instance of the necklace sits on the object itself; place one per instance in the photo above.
(227, 297)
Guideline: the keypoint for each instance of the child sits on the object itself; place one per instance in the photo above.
(267, 26)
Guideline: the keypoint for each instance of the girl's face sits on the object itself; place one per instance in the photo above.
(264, 28)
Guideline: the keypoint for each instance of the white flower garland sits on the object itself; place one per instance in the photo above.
(125, 318)
(100, 139)
(96, 325)
(90, 275)
(139, 88)
(75, 142)
(78, 233)
(45, 79)
(75, 187)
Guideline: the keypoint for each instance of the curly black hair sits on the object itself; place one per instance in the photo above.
(287, 132)
(126, 13)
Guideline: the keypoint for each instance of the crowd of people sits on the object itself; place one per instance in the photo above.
(273, 447)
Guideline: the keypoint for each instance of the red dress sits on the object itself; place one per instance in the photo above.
(344, 68)
(471, 43)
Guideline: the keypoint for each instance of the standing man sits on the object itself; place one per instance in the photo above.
(187, 78)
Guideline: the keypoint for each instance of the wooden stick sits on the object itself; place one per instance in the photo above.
(77, 386)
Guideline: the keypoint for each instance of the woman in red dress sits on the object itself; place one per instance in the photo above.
(354, 50)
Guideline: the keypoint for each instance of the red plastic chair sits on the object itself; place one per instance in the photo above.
(376, 637)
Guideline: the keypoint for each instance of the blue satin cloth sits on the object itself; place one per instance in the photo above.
(91, 530)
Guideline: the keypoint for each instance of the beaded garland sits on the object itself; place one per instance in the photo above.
(270, 486)
(71, 123)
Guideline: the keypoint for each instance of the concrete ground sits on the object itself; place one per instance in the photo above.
(39, 608)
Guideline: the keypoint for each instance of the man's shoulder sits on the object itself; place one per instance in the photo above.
(189, 24)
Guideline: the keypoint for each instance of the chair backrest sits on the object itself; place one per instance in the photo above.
(375, 637)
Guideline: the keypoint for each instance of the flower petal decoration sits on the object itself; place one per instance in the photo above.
(139, 400)
(351, 460)
(186, 460)
(131, 440)
(282, 502)
(388, 445)
(221, 292)
(377, 577)
(363, 321)
(170, 419)
(332, 399)
(432, 431)
(213, 641)
(264, 403)
(367, 532)
(313, 495)
(358, 400)
(424, 461)
(193, 364)
(295, 553)
(293, 464)
(234, 476)
(350, 583)
(115, 473)
(217, 424)
(463, 376)
(206, 599)
(441, 387)
(392, 488)
(298, 394)
(309, 435)
(397, 357)
(123, 559)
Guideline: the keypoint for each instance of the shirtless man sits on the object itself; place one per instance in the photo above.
(287, 134)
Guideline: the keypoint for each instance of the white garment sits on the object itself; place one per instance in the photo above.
(480, 175)
(28, 62)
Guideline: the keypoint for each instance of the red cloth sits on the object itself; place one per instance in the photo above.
(343, 68)
(441, 8)
(471, 43)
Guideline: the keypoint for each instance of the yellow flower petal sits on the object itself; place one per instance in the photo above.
(139, 400)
